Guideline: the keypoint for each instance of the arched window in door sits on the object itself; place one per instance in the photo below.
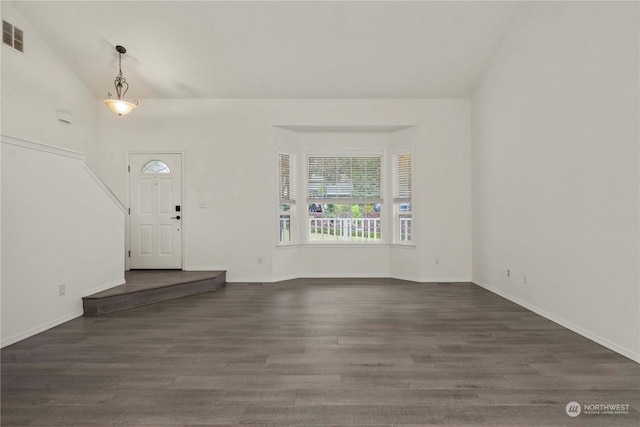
(156, 166)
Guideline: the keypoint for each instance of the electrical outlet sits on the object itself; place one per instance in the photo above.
(62, 289)
(508, 273)
(525, 279)
(437, 260)
(260, 261)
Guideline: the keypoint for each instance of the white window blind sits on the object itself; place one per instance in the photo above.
(402, 192)
(286, 195)
(402, 187)
(344, 178)
(344, 198)
(287, 178)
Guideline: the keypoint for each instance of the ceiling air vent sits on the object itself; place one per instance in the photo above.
(12, 36)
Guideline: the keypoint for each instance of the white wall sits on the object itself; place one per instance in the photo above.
(555, 169)
(35, 85)
(58, 227)
(230, 151)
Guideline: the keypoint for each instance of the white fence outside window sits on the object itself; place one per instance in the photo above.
(344, 229)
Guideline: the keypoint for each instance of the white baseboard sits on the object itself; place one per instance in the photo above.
(244, 279)
(231, 279)
(102, 288)
(431, 279)
(342, 276)
(31, 332)
(204, 268)
(283, 278)
(564, 323)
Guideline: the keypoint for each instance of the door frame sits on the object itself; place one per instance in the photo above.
(183, 209)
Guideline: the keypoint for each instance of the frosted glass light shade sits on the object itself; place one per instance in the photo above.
(119, 106)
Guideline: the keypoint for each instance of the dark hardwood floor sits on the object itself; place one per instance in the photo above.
(316, 352)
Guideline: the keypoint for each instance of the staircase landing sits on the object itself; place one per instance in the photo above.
(150, 286)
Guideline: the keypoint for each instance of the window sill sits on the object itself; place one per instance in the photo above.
(344, 245)
(404, 245)
(287, 245)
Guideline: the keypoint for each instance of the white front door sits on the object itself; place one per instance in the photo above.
(155, 201)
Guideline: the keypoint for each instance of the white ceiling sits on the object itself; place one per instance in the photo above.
(207, 49)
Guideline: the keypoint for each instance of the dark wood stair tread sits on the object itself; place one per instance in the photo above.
(151, 286)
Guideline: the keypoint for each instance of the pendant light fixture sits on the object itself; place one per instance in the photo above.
(119, 105)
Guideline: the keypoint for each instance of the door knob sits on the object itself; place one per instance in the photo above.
(175, 217)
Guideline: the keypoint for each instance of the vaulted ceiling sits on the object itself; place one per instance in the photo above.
(272, 49)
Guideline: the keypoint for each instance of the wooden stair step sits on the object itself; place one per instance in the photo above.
(148, 287)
